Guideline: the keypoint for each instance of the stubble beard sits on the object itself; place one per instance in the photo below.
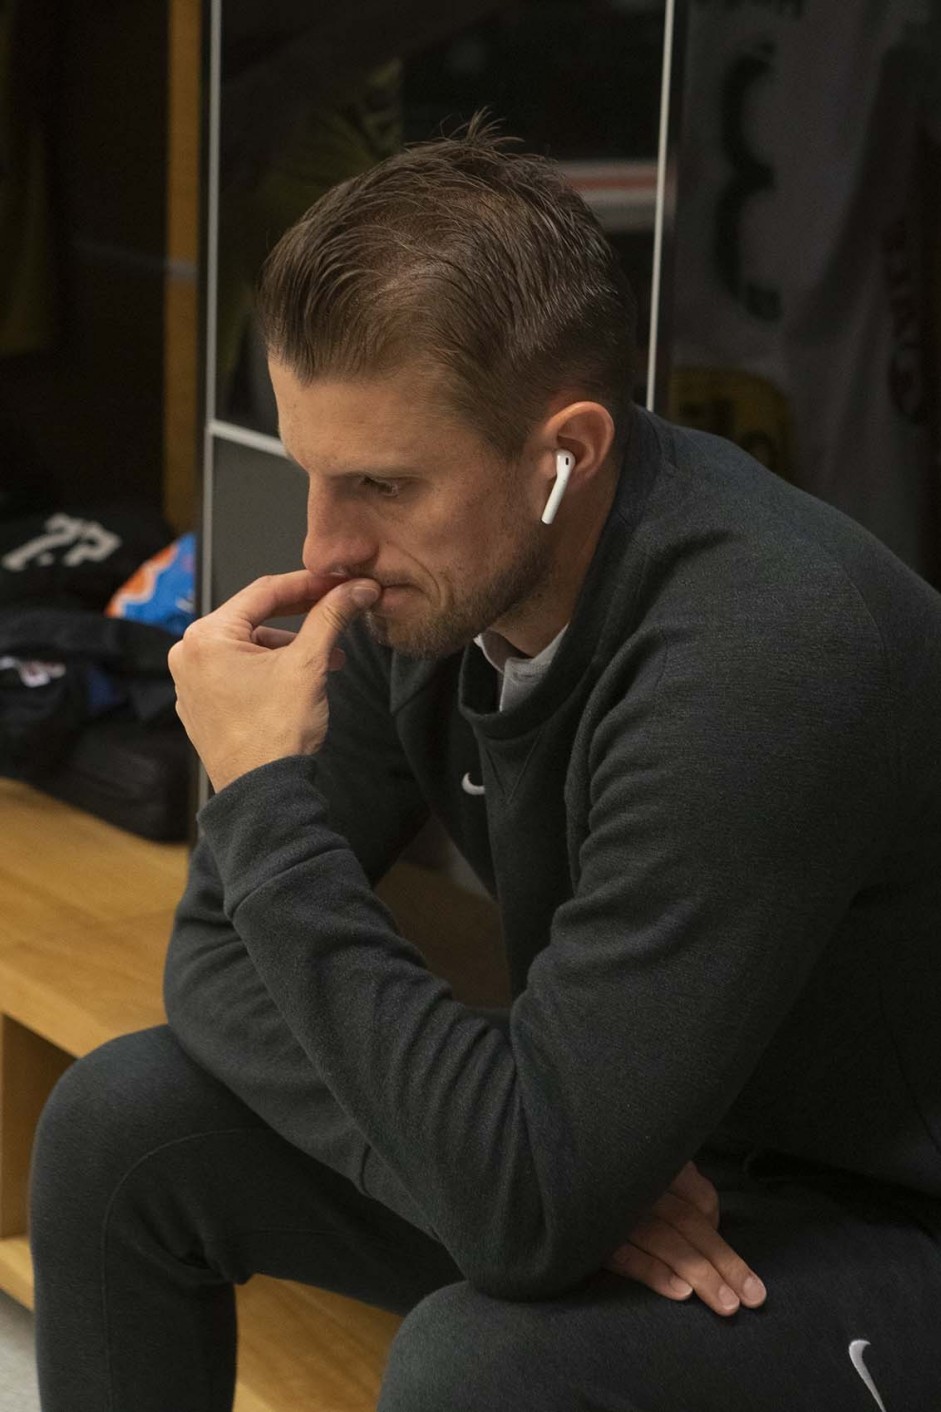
(523, 579)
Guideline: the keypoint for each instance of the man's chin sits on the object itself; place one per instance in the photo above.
(419, 642)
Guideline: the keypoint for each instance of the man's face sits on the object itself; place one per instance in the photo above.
(404, 492)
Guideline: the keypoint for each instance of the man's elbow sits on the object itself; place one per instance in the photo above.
(178, 989)
(525, 1274)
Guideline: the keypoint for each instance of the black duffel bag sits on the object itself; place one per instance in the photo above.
(138, 777)
(130, 761)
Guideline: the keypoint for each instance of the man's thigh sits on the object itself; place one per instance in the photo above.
(850, 1324)
(139, 1144)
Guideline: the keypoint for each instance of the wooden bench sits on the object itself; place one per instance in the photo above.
(85, 914)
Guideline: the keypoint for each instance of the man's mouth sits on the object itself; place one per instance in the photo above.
(393, 593)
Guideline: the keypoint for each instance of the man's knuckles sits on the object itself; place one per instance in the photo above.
(690, 1185)
(684, 1216)
(685, 1254)
(707, 1264)
(637, 1265)
(699, 1233)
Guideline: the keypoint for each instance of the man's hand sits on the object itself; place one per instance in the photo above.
(248, 694)
(677, 1249)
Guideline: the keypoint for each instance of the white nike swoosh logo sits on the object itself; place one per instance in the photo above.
(856, 1358)
(469, 788)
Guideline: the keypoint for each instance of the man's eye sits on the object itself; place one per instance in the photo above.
(386, 489)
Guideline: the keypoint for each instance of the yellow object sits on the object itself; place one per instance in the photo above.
(740, 406)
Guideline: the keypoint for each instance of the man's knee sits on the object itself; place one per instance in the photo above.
(107, 1110)
(466, 1351)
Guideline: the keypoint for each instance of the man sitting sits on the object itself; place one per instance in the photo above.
(683, 722)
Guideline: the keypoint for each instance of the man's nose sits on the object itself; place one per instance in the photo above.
(337, 539)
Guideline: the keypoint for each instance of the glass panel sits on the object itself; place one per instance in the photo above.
(307, 101)
(259, 515)
(807, 245)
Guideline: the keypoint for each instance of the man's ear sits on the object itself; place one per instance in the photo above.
(586, 429)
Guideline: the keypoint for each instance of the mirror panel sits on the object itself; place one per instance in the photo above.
(307, 101)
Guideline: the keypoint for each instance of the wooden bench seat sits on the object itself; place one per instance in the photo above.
(85, 914)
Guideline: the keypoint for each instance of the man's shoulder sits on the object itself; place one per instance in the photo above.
(717, 484)
(751, 543)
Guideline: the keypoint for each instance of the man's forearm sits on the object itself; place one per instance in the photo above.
(224, 1018)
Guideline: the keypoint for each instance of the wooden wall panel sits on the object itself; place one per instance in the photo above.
(181, 319)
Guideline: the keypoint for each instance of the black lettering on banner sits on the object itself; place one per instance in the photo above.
(906, 372)
(752, 176)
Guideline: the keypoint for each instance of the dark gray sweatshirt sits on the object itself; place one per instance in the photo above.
(713, 830)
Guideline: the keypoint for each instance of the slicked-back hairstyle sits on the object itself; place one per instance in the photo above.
(480, 262)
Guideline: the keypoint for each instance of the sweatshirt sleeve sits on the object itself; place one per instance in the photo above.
(734, 781)
(219, 1007)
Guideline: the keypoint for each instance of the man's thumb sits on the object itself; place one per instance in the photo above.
(341, 604)
(363, 594)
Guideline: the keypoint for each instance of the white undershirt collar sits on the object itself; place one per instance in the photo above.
(518, 674)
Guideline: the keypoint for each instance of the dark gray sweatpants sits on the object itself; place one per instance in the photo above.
(154, 1191)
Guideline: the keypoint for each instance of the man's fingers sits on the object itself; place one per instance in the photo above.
(273, 637)
(692, 1186)
(330, 618)
(274, 596)
(635, 1264)
(244, 615)
(699, 1255)
(280, 637)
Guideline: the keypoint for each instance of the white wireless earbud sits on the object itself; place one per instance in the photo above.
(564, 465)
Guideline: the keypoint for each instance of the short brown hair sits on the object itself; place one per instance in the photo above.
(482, 263)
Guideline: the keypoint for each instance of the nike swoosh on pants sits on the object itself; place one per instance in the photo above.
(856, 1358)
